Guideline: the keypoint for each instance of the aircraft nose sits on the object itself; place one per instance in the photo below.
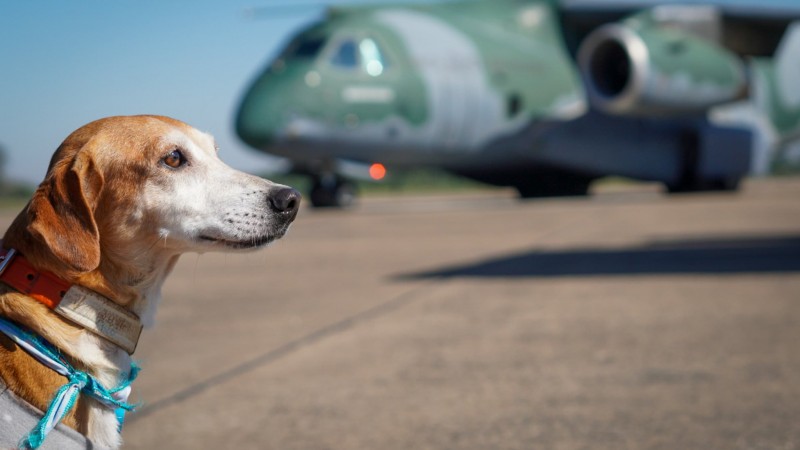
(261, 114)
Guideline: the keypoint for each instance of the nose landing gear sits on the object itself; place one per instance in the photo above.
(332, 191)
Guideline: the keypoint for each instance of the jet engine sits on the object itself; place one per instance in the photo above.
(635, 68)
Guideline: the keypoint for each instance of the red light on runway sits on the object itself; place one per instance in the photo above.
(377, 171)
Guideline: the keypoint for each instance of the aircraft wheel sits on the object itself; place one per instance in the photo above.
(340, 194)
(730, 184)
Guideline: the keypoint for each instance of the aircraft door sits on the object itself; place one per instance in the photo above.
(458, 102)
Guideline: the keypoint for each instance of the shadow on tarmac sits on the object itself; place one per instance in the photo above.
(745, 254)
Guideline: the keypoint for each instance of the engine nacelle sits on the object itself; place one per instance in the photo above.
(635, 68)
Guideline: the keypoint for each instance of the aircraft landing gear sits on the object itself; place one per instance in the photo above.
(717, 167)
(332, 192)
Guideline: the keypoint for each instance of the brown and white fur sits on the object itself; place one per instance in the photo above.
(113, 215)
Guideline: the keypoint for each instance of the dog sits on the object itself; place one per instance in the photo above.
(122, 199)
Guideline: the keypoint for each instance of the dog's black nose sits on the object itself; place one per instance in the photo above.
(285, 200)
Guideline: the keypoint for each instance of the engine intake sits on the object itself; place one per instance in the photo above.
(654, 71)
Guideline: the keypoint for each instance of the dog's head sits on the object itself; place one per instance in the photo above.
(121, 187)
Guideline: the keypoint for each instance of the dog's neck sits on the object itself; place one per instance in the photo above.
(74, 302)
(134, 283)
(126, 275)
(85, 302)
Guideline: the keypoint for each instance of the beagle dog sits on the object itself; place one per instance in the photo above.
(123, 198)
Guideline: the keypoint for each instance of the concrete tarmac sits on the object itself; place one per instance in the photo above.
(627, 320)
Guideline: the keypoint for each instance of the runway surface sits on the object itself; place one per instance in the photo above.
(628, 320)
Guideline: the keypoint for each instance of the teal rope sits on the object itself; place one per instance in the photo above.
(38, 434)
(78, 381)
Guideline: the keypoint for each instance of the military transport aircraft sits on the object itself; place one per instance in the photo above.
(534, 94)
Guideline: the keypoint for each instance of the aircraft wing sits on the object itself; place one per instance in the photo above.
(753, 9)
(752, 28)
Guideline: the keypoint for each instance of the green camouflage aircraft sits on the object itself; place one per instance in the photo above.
(534, 94)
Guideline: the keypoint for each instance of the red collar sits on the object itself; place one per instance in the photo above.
(81, 306)
(17, 272)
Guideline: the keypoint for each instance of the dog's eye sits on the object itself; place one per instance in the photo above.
(174, 159)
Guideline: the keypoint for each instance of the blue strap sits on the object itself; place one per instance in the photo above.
(78, 381)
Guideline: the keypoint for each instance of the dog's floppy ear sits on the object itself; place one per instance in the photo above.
(61, 212)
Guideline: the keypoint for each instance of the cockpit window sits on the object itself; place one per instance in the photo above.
(304, 47)
(364, 53)
(372, 59)
(309, 47)
(346, 56)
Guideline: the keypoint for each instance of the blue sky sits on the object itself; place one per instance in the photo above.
(66, 63)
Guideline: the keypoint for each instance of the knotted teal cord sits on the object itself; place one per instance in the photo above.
(79, 381)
